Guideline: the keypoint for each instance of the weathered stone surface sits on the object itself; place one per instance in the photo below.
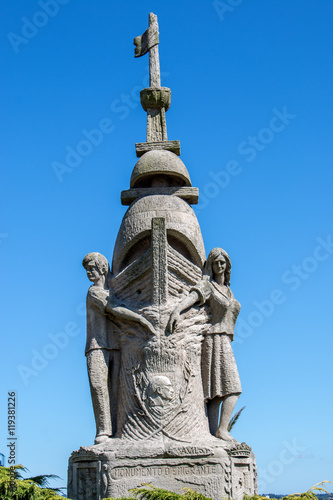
(189, 194)
(156, 163)
(204, 467)
(134, 283)
(160, 277)
(155, 98)
(163, 433)
(134, 234)
(102, 348)
(159, 331)
(149, 39)
(220, 377)
(143, 147)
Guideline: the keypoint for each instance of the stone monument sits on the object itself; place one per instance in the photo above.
(159, 330)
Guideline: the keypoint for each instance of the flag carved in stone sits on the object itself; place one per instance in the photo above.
(146, 41)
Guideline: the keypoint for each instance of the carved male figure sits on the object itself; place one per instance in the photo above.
(160, 390)
(221, 383)
(102, 347)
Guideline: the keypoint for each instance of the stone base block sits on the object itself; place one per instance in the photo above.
(95, 473)
(143, 147)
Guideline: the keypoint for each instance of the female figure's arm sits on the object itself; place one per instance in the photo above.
(189, 301)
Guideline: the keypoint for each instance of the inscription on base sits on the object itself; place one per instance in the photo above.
(165, 470)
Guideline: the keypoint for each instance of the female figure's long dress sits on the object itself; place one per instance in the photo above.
(219, 370)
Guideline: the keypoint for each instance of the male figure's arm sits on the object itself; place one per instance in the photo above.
(122, 313)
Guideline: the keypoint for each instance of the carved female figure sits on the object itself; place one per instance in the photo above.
(221, 383)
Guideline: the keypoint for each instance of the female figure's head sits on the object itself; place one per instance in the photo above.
(218, 262)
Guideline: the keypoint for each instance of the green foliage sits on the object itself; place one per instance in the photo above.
(14, 487)
(193, 495)
(149, 492)
(308, 495)
(120, 498)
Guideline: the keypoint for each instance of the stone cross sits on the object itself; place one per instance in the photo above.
(155, 100)
(148, 42)
(154, 59)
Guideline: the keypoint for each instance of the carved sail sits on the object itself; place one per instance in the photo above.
(135, 282)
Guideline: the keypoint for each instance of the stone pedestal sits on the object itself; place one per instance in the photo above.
(112, 469)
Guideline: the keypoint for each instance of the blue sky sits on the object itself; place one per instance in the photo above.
(252, 106)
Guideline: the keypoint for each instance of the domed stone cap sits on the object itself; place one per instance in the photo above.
(181, 223)
(159, 162)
